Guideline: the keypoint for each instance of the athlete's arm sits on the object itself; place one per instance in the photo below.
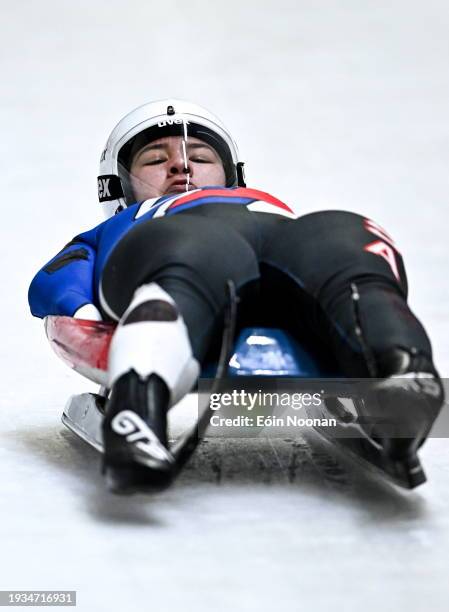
(66, 283)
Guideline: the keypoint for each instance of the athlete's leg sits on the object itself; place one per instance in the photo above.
(189, 256)
(166, 282)
(354, 277)
(333, 254)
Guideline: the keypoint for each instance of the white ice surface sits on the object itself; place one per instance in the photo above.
(335, 104)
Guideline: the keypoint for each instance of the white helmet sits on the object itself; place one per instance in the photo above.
(156, 120)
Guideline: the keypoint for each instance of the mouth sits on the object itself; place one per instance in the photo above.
(180, 186)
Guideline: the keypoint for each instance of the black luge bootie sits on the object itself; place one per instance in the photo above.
(136, 457)
(403, 406)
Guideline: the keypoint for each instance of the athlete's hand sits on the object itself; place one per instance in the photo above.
(89, 312)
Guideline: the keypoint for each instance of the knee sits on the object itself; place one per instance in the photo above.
(345, 230)
(348, 242)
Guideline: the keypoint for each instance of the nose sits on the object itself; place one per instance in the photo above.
(179, 164)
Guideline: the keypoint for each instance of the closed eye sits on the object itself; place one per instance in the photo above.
(153, 162)
(201, 160)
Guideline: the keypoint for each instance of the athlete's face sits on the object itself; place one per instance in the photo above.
(160, 167)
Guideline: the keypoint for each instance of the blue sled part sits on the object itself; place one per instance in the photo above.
(270, 352)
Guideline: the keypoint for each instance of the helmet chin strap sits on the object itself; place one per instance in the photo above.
(240, 174)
